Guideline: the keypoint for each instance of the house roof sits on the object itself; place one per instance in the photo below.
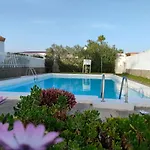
(132, 53)
(28, 52)
(2, 39)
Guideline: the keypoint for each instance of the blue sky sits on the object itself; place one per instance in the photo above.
(36, 24)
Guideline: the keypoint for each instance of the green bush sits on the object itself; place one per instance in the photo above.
(72, 127)
(29, 110)
(128, 133)
(86, 131)
(69, 67)
(28, 102)
(8, 118)
(83, 131)
(48, 64)
(70, 59)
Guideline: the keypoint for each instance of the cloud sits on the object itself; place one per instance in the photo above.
(103, 26)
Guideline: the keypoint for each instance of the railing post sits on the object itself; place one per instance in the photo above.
(103, 88)
(126, 89)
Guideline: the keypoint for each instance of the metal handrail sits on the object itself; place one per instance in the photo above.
(103, 88)
(126, 89)
(33, 72)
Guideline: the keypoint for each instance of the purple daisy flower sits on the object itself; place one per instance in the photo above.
(31, 138)
(2, 99)
(4, 127)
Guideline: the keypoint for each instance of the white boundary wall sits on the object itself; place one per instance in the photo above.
(139, 61)
(15, 60)
(36, 62)
(1, 47)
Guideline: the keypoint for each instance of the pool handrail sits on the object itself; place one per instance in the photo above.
(33, 72)
(126, 89)
(103, 88)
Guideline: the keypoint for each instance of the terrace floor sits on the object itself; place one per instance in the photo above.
(7, 107)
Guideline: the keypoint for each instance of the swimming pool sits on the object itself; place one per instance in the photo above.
(80, 85)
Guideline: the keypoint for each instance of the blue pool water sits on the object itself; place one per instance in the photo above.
(77, 86)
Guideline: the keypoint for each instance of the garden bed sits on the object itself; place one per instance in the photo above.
(138, 79)
(80, 130)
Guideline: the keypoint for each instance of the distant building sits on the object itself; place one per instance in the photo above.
(131, 53)
(34, 53)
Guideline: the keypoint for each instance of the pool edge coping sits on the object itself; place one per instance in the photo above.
(104, 105)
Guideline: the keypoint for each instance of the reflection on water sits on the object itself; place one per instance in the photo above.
(77, 86)
(86, 84)
(91, 87)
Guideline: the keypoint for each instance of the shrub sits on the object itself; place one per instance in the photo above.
(85, 130)
(81, 131)
(48, 64)
(27, 102)
(50, 97)
(8, 118)
(69, 66)
(42, 115)
(29, 110)
(127, 133)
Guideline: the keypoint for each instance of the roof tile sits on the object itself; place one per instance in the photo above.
(2, 39)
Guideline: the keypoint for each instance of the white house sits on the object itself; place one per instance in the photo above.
(2, 48)
(2, 40)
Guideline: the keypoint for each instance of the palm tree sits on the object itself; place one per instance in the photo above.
(101, 38)
(120, 51)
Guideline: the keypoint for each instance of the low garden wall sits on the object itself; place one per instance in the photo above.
(138, 64)
(9, 72)
(138, 72)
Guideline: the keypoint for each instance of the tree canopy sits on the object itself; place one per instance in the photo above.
(98, 51)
